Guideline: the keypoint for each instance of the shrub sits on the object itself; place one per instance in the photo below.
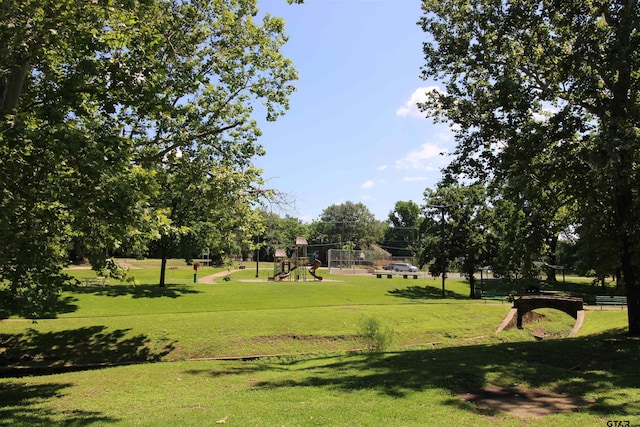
(374, 336)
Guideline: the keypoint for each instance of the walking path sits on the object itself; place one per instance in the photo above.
(210, 279)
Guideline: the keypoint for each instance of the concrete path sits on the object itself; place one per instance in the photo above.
(210, 279)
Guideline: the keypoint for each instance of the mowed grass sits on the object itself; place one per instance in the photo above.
(242, 317)
(313, 370)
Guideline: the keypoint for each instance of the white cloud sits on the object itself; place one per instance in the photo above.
(410, 107)
(426, 158)
(383, 167)
(368, 184)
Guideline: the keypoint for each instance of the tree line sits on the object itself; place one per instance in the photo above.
(480, 228)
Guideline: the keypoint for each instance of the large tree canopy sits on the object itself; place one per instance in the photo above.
(557, 77)
(95, 97)
(348, 225)
(404, 225)
(456, 226)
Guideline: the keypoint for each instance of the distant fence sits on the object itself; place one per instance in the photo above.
(356, 260)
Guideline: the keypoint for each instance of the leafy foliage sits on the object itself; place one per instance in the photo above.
(457, 226)
(97, 100)
(348, 225)
(404, 225)
(545, 94)
(280, 233)
(375, 337)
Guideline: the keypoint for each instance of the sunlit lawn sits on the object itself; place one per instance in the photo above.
(317, 373)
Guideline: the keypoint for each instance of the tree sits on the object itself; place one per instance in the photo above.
(349, 224)
(280, 233)
(203, 201)
(456, 226)
(515, 248)
(404, 224)
(598, 252)
(93, 98)
(65, 170)
(559, 77)
(529, 220)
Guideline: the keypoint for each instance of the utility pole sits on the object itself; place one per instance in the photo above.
(258, 258)
(442, 249)
(443, 256)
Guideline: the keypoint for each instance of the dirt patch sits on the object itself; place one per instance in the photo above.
(529, 317)
(524, 403)
(303, 338)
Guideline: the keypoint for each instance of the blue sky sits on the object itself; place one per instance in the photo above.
(353, 132)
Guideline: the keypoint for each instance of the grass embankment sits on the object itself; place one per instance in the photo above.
(442, 347)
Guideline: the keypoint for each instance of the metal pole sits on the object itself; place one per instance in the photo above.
(258, 257)
(442, 254)
(442, 243)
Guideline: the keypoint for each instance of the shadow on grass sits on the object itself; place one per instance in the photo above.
(424, 292)
(584, 290)
(138, 291)
(21, 405)
(601, 365)
(62, 304)
(84, 348)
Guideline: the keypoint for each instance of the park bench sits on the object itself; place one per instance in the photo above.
(603, 300)
(96, 281)
(405, 275)
(493, 295)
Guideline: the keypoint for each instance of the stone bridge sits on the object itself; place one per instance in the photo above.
(526, 303)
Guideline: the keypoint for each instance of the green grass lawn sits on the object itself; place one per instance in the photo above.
(316, 372)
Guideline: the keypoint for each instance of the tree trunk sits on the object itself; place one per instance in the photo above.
(163, 266)
(11, 87)
(633, 310)
(630, 278)
(623, 140)
(472, 286)
(553, 259)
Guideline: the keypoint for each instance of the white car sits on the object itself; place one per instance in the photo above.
(402, 266)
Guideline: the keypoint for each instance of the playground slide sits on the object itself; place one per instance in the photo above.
(285, 275)
(313, 269)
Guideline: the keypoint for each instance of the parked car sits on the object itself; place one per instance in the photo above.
(401, 266)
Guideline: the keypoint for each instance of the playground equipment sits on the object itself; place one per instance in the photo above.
(287, 267)
(281, 265)
(312, 270)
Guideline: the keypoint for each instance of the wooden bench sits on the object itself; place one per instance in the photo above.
(603, 300)
(492, 295)
(96, 281)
